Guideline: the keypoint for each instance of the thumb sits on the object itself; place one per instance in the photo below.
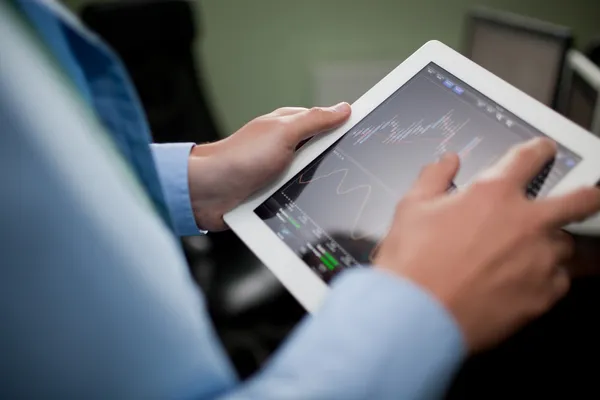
(308, 123)
(435, 179)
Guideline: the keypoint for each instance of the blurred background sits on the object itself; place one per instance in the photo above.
(261, 54)
(204, 68)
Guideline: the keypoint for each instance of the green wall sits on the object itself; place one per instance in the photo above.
(257, 54)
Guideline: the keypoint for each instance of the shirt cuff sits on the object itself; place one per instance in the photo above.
(171, 160)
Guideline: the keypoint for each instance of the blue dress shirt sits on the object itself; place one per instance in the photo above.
(96, 300)
(172, 166)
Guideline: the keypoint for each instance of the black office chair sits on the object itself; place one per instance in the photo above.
(155, 39)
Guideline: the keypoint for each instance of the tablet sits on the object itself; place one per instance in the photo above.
(335, 203)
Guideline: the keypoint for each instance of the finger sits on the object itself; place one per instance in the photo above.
(550, 291)
(572, 207)
(285, 111)
(552, 279)
(435, 179)
(559, 284)
(308, 123)
(562, 246)
(553, 249)
(524, 162)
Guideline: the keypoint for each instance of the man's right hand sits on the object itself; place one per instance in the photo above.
(489, 254)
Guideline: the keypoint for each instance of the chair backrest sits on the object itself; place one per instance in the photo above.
(580, 93)
(525, 52)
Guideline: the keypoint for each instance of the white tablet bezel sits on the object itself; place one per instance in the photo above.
(294, 274)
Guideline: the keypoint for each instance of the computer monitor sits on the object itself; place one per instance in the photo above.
(580, 94)
(525, 52)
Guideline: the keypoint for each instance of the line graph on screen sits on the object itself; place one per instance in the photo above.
(366, 189)
(341, 175)
(371, 168)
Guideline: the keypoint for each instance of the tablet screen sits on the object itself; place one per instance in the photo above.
(336, 210)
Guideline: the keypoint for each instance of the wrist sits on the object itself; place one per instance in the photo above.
(205, 180)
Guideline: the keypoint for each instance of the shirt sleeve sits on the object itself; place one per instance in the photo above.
(376, 337)
(97, 301)
(171, 161)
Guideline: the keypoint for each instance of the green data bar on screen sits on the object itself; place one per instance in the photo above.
(294, 222)
(332, 259)
(327, 263)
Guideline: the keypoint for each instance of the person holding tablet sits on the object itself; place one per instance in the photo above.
(95, 297)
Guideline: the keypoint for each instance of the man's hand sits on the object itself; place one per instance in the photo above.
(488, 253)
(223, 174)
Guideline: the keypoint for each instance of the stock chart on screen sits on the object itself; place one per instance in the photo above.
(335, 211)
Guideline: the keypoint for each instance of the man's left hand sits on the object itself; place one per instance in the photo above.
(223, 174)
